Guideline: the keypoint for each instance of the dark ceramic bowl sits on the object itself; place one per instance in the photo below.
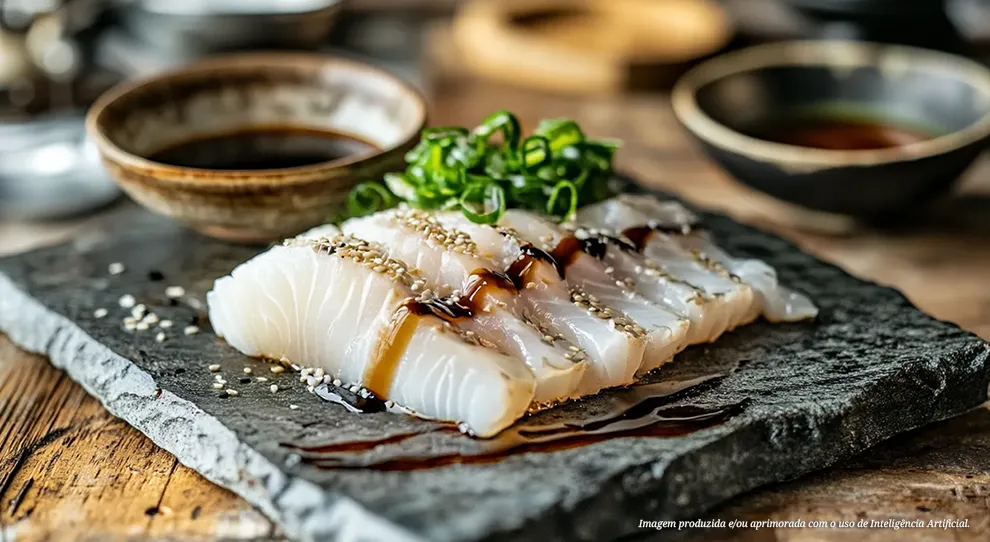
(722, 100)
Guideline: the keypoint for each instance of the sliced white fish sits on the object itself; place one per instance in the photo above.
(341, 305)
(448, 263)
(666, 331)
(614, 343)
(777, 302)
(662, 252)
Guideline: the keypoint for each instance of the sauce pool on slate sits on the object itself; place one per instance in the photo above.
(642, 410)
(839, 133)
(263, 148)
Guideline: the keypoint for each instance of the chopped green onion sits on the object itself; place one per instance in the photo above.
(571, 203)
(555, 170)
(492, 200)
(367, 198)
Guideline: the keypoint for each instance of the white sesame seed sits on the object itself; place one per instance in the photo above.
(232, 393)
(127, 301)
(327, 379)
(217, 377)
(273, 387)
(307, 371)
(318, 373)
(247, 370)
(294, 407)
(337, 382)
(261, 379)
(142, 326)
(160, 337)
(311, 381)
(277, 369)
(389, 404)
(138, 311)
(175, 292)
(165, 324)
(354, 389)
(214, 368)
(116, 268)
(129, 326)
(99, 313)
(191, 330)
(195, 303)
(303, 378)
(218, 385)
(151, 318)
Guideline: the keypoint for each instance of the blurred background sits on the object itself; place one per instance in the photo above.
(607, 63)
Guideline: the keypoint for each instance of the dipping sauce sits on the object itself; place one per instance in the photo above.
(839, 133)
(263, 148)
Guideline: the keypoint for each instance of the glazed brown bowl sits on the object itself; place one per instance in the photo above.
(136, 121)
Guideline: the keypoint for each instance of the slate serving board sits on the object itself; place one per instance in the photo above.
(871, 366)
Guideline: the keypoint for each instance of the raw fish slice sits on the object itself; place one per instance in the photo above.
(342, 306)
(615, 344)
(778, 303)
(652, 241)
(448, 263)
(666, 331)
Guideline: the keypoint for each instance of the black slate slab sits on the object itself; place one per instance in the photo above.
(870, 367)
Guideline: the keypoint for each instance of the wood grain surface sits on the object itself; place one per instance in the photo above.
(69, 470)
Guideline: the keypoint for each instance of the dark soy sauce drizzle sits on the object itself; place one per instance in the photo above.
(639, 236)
(638, 411)
(351, 401)
(520, 269)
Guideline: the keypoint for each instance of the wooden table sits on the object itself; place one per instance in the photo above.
(69, 469)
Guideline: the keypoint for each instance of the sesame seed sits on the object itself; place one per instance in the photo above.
(232, 393)
(276, 369)
(261, 379)
(191, 330)
(307, 371)
(129, 326)
(389, 404)
(318, 373)
(273, 387)
(126, 301)
(214, 368)
(116, 268)
(218, 385)
(195, 303)
(175, 292)
(165, 324)
(247, 370)
(99, 313)
(142, 326)
(337, 382)
(303, 378)
(294, 407)
(151, 318)
(354, 389)
(160, 337)
(218, 377)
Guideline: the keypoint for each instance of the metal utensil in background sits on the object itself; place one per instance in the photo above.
(48, 169)
(200, 27)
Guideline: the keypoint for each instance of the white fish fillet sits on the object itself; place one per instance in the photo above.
(666, 332)
(777, 302)
(615, 345)
(447, 261)
(327, 304)
(734, 301)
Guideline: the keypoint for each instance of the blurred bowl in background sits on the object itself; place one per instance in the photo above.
(933, 109)
(200, 27)
(255, 147)
(49, 170)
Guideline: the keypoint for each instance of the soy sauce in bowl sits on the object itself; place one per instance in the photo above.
(840, 133)
(264, 148)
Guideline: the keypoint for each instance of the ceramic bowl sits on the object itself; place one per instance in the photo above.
(720, 102)
(228, 94)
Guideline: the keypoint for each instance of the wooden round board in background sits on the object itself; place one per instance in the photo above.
(588, 46)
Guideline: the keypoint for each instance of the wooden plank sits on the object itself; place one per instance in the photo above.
(73, 469)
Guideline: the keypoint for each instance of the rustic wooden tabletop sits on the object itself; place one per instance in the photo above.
(69, 470)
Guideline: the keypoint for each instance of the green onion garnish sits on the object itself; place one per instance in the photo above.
(482, 172)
